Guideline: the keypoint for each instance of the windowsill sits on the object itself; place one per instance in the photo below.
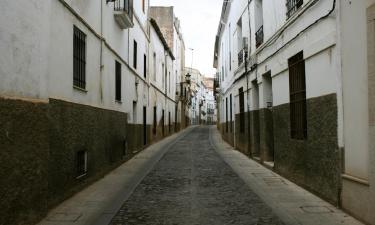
(81, 176)
(80, 89)
(355, 179)
(118, 102)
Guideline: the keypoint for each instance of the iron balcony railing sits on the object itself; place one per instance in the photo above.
(292, 6)
(123, 7)
(259, 37)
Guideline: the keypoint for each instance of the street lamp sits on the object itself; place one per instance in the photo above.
(188, 78)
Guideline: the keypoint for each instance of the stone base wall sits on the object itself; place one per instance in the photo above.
(266, 144)
(24, 157)
(242, 137)
(228, 135)
(39, 143)
(314, 163)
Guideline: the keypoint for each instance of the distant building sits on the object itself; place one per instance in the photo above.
(295, 90)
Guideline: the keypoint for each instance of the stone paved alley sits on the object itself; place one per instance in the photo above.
(195, 178)
(192, 185)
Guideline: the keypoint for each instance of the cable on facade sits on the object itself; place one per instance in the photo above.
(291, 40)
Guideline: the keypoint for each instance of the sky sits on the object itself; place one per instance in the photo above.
(199, 23)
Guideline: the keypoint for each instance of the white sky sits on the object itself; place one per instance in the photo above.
(199, 22)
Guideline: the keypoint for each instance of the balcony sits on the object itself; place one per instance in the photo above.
(293, 6)
(123, 10)
(259, 37)
(241, 57)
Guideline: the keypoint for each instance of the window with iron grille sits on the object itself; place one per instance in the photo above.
(81, 159)
(242, 110)
(135, 54)
(226, 115)
(155, 121)
(297, 87)
(231, 113)
(259, 37)
(79, 58)
(144, 66)
(292, 6)
(118, 81)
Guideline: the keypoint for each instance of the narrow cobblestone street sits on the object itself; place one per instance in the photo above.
(193, 185)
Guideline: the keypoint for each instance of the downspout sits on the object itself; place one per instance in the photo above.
(101, 51)
(247, 80)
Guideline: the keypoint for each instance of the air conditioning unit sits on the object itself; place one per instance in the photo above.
(245, 44)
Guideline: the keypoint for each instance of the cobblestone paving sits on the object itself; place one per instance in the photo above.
(192, 185)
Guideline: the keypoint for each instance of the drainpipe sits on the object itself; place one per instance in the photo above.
(247, 79)
(101, 50)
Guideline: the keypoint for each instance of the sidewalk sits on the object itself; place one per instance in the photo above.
(291, 203)
(97, 204)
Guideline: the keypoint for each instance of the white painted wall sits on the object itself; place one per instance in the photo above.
(37, 55)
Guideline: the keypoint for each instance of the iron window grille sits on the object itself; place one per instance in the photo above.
(81, 163)
(135, 54)
(79, 58)
(242, 110)
(292, 6)
(155, 121)
(226, 115)
(297, 86)
(259, 37)
(118, 81)
(123, 5)
(144, 66)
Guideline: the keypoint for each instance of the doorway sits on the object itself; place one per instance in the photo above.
(144, 125)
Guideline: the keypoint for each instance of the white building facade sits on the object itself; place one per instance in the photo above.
(294, 90)
(84, 86)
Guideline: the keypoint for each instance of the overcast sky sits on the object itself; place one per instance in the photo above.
(199, 22)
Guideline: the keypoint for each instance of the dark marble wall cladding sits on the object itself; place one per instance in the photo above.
(24, 154)
(73, 128)
(242, 136)
(39, 144)
(315, 162)
(266, 143)
(228, 134)
(255, 133)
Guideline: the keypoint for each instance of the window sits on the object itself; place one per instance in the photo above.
(81, 159)
(155, 121)
(169, 122)
(242, 110)
(79, 58)
(297, 87)
(231, 113)
(135, 54)
(144, 6)
(292, 6)
(169, 82)
(162, 72)
(154, 66)
(144, 66)
(163, 122)
(134, 112)
(226, 115)
(118, 81)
